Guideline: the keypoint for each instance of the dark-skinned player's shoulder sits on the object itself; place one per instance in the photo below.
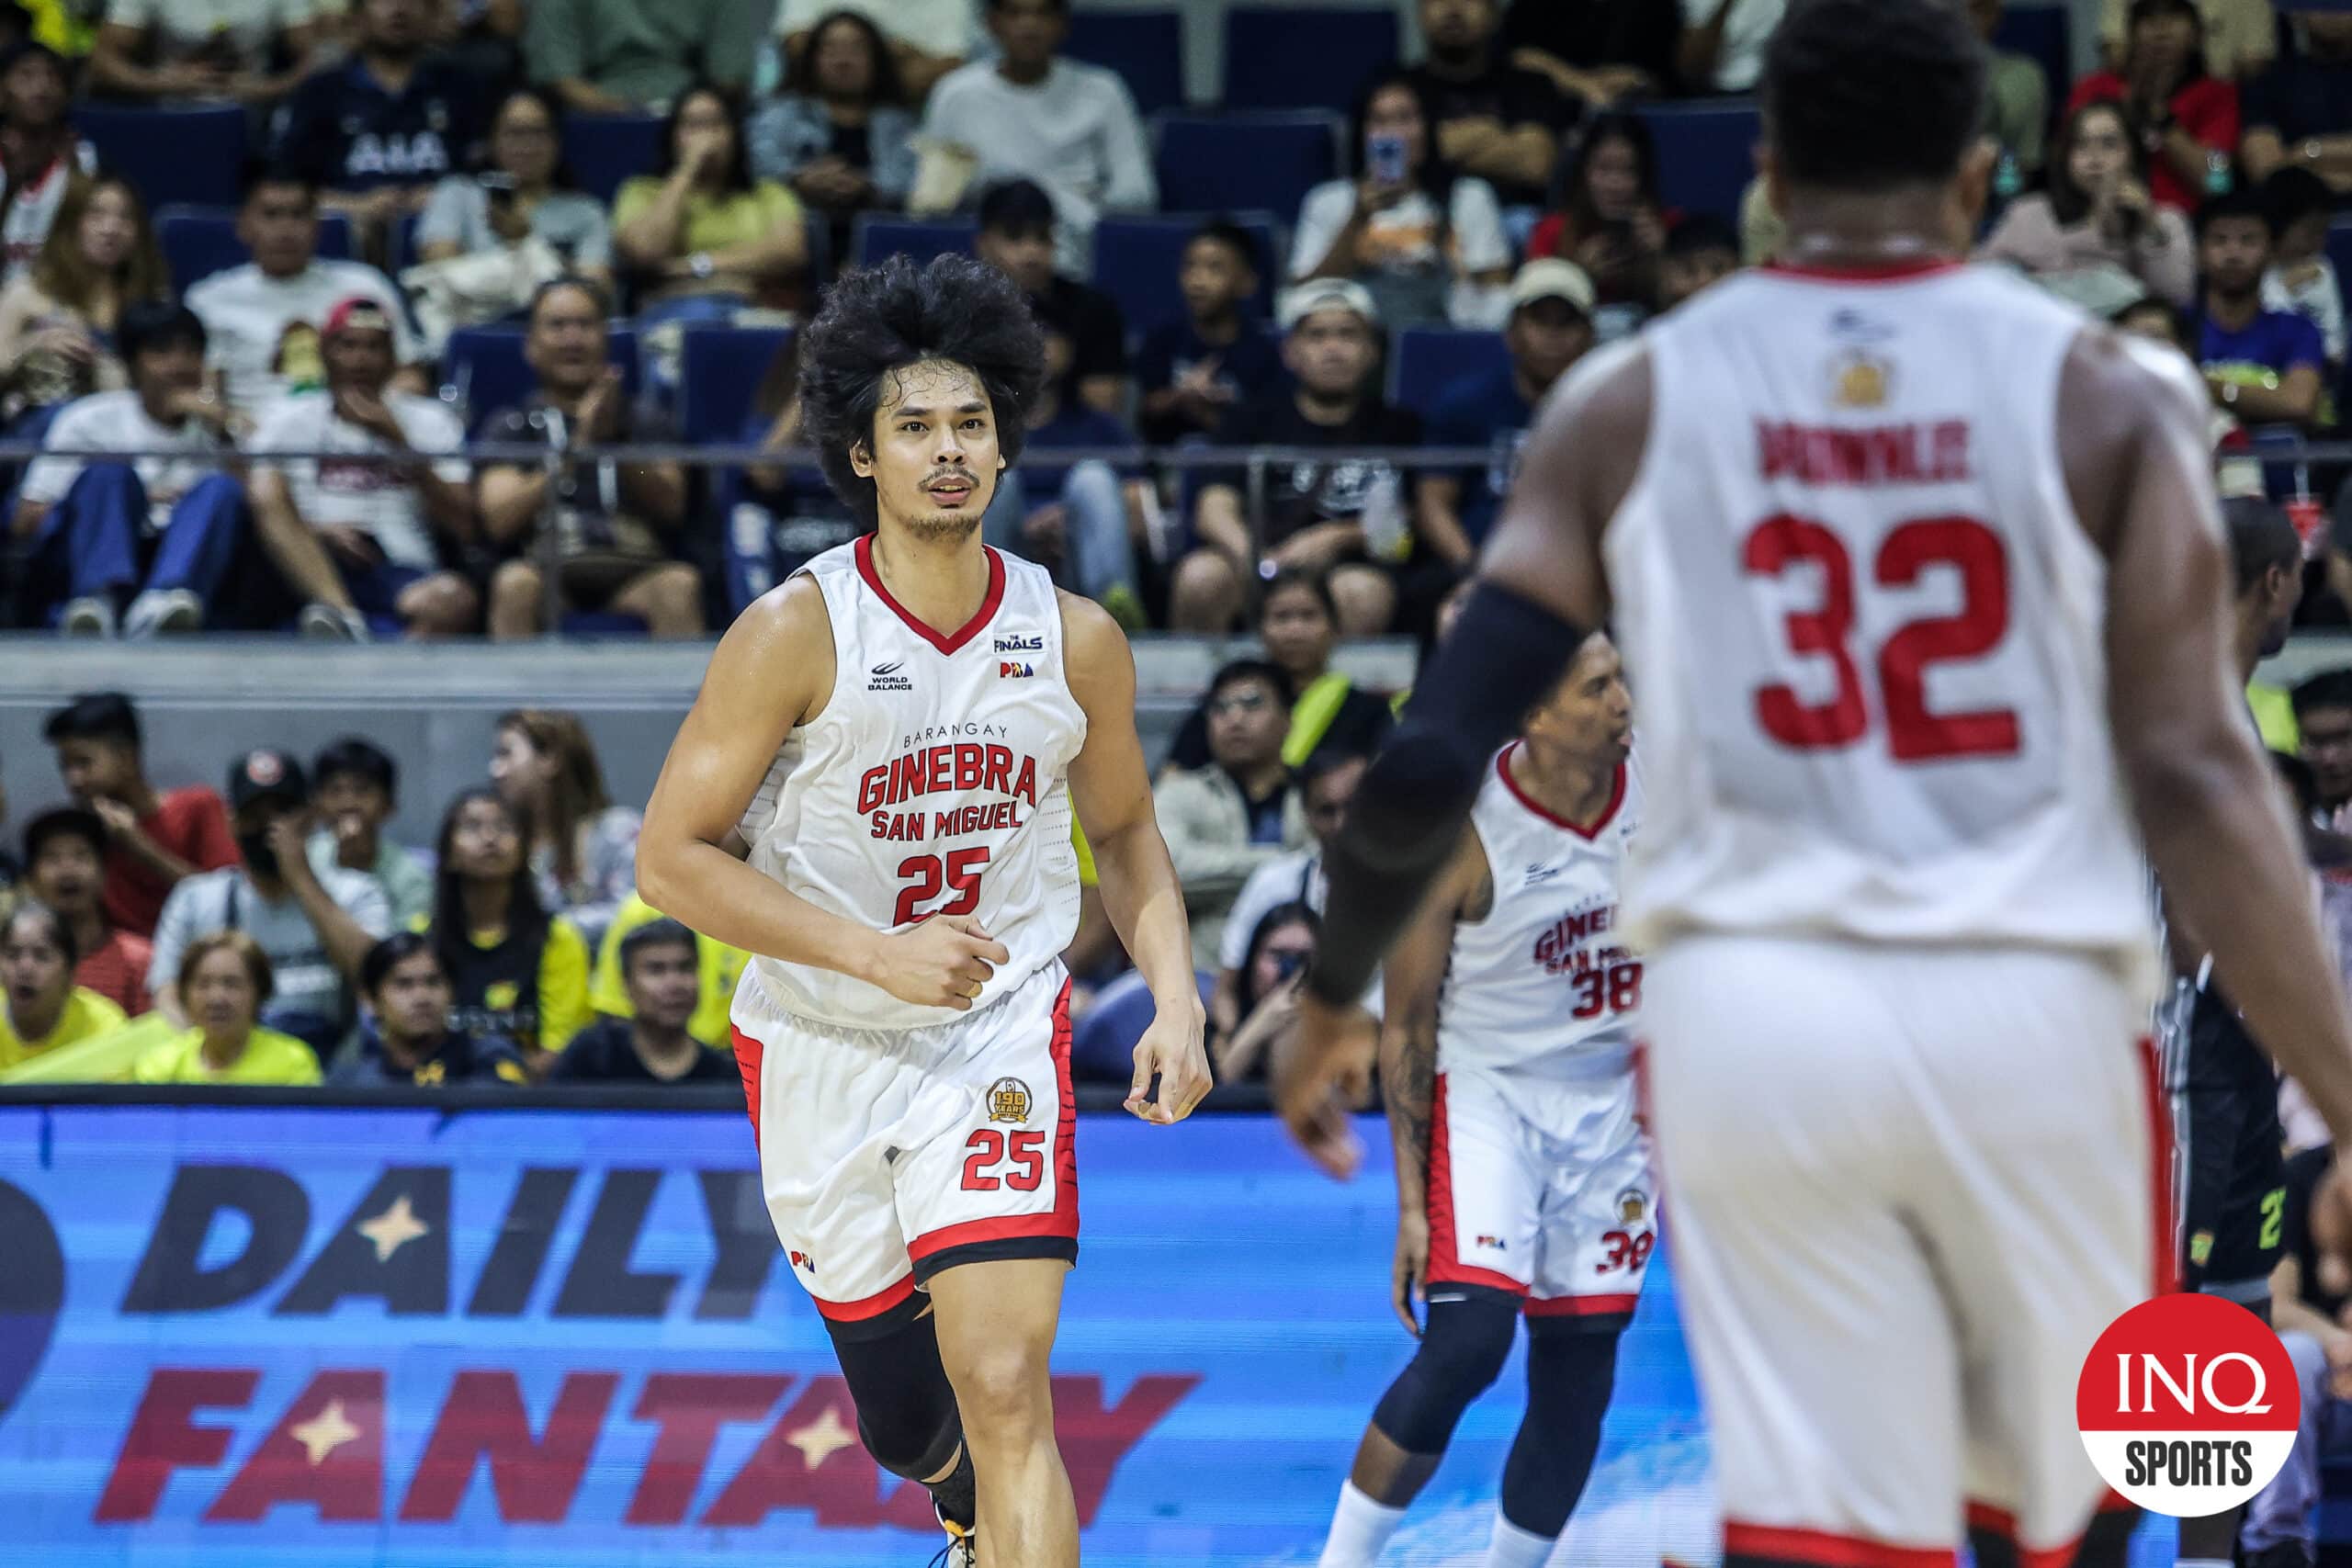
(2119, 397)
(1598, 417)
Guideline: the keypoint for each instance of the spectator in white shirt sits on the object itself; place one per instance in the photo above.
(161, 529)
(1029, 114)
(246, 52)
(39, 150)
(355, 539)
(928, 37)
(263, 318)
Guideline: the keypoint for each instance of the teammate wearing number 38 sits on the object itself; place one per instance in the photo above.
(893, 740)
(1522, 1173)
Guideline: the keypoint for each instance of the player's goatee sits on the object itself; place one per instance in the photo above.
(943, 527)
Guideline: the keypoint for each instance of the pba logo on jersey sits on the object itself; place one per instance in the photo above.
(803, 1261)
(885, 678)
(1632, 1206)
(1034, 643)
(2188, 1405)
(1009, 1101)
(1015, 669)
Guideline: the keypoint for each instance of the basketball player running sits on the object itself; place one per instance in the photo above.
(2232, 1168)
(1523, 1180)
(890, 732)
(1916, 570)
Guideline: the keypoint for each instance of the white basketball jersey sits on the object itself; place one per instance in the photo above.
(1545, 979)
(1864, 624)
(932, 783)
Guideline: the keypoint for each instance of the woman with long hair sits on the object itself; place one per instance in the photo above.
(583, 849)
(515, 969)
(2185, 119)
(1280, 950)
(1426, 242)
(57, 322)
(1612, 220)
(223, 981)
(2096, 213)
(839, 132)
(703, 237)
(523, 189)
(41, 1007)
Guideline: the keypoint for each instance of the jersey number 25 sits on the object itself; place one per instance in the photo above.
(1912, 733)
(925, 877)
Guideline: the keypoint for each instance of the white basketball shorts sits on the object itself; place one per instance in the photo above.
(1909, 1186)
(887, 1156)
(1541, 1187)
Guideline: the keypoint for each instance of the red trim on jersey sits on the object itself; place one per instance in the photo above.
(1061, 1220)
(1446, 1267)
(748, 1055)
(1579, 1307)
(874, 1305)
(1616, 797)
(2162, 1244)
(2000, 1522)
(962, 635)
(1821, 1548)
(1902, 271)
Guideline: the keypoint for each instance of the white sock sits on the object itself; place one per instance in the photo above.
(1515, 1547)
(1359, 1529)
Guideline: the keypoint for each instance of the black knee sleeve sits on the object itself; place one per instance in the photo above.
(1570, 1370)
(906, 1407)
(1464, 1346)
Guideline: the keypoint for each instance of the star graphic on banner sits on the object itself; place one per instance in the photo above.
(393, 1229)
(325, 1432)
(821, 1438)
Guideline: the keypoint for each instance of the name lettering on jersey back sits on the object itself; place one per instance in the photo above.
(1864, 456)
(963, 767)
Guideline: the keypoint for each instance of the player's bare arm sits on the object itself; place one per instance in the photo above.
(2214, 825)
(1541, 589)
(1112, 789)
(772, 671)
(1410, 984)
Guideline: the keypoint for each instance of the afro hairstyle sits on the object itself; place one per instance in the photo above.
(882, 319)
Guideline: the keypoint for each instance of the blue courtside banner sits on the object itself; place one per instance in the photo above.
(312, 1338)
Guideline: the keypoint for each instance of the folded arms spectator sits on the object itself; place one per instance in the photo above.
(658, 969)
(246, 52)
(360, 537)
(583, 848)
(2097, 214)
(1193, 371)
(42, 1003)
(614, 519)
(2299, 110)
(405, 1037)
(224, 982)
(523, 191)
(146, 544)
(1032, 114)
(620, 56)
(1426, 242)
(1597, 51)
(2185, 118)
(839, 133)
(1494, 118)
(355, 787)
(514, 970)
(154, 839)
(58, 319)
(65, 869)
(704, 237)
(2263, 366)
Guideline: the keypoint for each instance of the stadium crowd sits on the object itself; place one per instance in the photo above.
(435, 375)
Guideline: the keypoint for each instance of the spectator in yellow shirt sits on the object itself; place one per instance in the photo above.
(41, 1007)
(223, 981)
(717, 969)
(515, 969)
(703, 237)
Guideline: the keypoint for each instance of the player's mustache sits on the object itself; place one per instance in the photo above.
(948, 473)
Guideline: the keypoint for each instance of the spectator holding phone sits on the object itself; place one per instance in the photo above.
(1426, 242)
(1280, 947)
(2097, 214)
(2185, 118)
(1613, 222)
(523, 191)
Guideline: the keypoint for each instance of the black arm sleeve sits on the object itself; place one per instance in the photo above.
(1502, 658)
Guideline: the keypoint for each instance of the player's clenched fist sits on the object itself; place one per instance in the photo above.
(942, 963)
(1172, 1051)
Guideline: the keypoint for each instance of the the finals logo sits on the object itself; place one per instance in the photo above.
(2187, 1404)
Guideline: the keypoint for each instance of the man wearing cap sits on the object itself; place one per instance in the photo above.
(315, 926)
(355, 539)
(65, 869)
(1550, 329)
(1348, 517)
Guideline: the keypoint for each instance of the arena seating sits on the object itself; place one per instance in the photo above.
(201, 241)
(1146, 47)
(1137, 260)
(1286, 56)
(1265, 161)
(721, 368)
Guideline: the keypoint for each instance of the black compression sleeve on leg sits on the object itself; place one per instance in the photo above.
(1569, 1376)
(1504, 656)
(907, 1415)
(1464, 1346)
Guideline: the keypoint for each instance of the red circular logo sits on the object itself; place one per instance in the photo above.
(2187, 1404)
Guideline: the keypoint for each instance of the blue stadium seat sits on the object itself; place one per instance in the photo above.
(1706, 153)
(720, 373)
(918, 239)
(1428, 361)
(1258, 163)
(2044, 35)
(486, 365)
(1146, 47)
(1137, 260)
(191, 155)
(198, 241)
(606, 148)
(403, 250)
(1305, 56)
